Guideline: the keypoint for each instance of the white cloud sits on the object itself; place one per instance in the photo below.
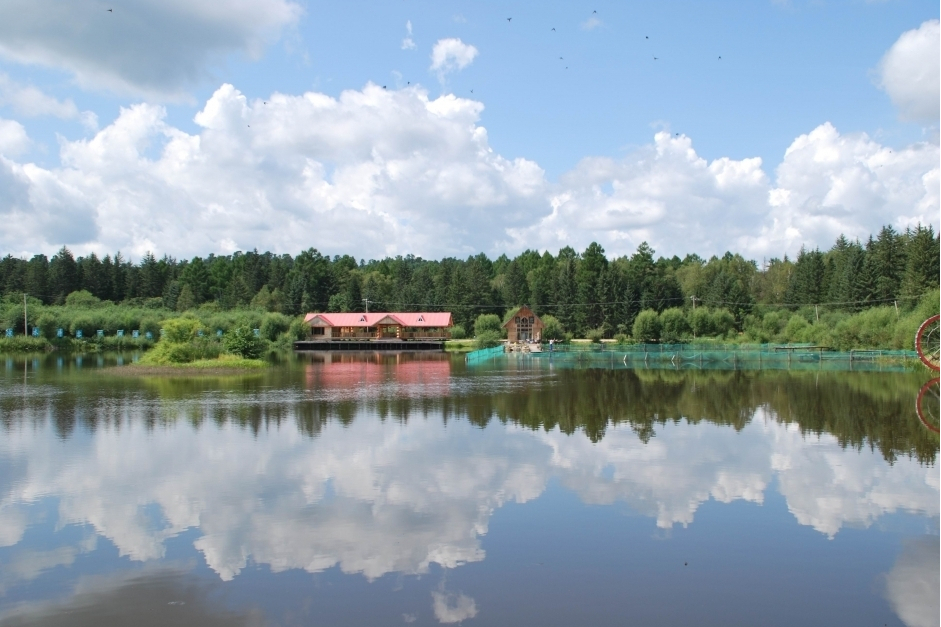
(408, 43)
(912, 584)
(13, 138)
(591, 23)
(403, 496)
(451, 55)
(452, 608)
(154, 47)
(376, 170)
(668, 195)
(30, 101)
(381, 172)
(909, 73)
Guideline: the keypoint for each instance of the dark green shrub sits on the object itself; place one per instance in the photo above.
(458, 332)
(595, 335)
(552, 328)
(487, 323)
(489, 339)
(673, 326)
(646, 326)
(273, 325)
(241, 341)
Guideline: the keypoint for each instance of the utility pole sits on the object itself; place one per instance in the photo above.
(366, 300)
(694, 299)
(25, 330)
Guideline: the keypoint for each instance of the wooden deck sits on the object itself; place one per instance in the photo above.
(367, 345)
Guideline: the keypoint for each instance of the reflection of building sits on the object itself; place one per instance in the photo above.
(523, 326)
(432, 372)
(379, 326)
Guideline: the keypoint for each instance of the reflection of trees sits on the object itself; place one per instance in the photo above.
(859, 409)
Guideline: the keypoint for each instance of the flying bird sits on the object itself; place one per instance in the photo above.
(656, 59)
(472, 91)
(553, 30)
(509, 19)
(720, 58)
(110, 10)
(646, 37)
(593, 12)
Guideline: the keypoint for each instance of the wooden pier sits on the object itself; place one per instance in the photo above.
(368, 345)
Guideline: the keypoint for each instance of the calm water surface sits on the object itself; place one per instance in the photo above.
(401, 489)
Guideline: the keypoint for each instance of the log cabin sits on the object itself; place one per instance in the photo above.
(331, 327)
(523, 326)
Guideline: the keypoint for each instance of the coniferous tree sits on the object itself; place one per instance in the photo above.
(921, 267)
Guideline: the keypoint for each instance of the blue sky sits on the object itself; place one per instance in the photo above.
(557, 143)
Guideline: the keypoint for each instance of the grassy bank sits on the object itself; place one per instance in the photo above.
(222, 365)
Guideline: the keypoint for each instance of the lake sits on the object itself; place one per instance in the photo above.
(417, 489)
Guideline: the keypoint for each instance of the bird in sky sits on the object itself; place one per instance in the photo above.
(720, 58)
(656, 59)
(383, 86)
(472, 91)
(560, 58)
(509, 19)
(646, 37)
(593, 12)
(110, 10)
(553, 30)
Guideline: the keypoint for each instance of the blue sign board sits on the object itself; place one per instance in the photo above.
(100, 333)
(120, 332)
(257, 332)
(78, 333)
(59, 332)
(149, 335)
(199, 333)
(35, 331)
(9, 332)
(218, 332)
(135, 334)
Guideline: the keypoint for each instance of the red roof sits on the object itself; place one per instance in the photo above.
(419, 319)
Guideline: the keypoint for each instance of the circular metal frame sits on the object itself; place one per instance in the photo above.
(928, 405)
(928, 342)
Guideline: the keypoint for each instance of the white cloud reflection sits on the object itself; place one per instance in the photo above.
(376, 497)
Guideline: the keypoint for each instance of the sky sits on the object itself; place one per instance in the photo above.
(449, 128)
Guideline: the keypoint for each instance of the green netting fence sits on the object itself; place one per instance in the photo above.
(717, 356)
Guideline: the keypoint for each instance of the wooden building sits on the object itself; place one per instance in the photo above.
(523, 326)
(429, 326)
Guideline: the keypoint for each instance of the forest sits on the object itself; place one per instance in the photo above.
(588, 293)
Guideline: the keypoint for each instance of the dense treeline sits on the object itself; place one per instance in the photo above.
(586, 292)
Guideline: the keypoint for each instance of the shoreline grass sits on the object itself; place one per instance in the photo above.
(223, 365)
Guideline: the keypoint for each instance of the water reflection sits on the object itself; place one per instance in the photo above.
(397, 465)
(913, 584)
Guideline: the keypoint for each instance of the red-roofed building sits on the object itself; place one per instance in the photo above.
(379, 326)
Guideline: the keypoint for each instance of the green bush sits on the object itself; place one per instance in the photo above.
(621, 338)
(488, 323)
(723, 322)
(700, 322)
(458, 332)
(646, 326)
(298, 330)
(273, 325)
(82, 298)
(552, 329)
(241, 341)
(595, 335)
(673, 326)
(180, 330)
(489, 339)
